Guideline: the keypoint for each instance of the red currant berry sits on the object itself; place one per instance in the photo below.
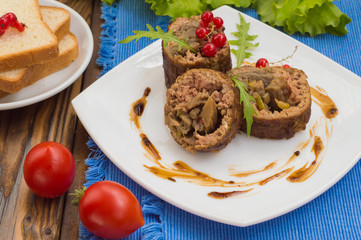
(204, 24)
(262, 62)
(219, 39)
(201, 32)
(218, 22)
(207, 17)
(20, 26)
(286, 66)
(209, 49)
(12, 18)
(4, 23)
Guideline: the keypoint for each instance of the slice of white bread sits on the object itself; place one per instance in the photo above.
(36, 44)
(58, 19)
(68, 52)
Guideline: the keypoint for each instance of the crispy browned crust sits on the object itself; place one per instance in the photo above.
(284, 124)
(229, 124)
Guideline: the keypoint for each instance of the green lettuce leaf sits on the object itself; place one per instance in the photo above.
(212, 4)
(187, 8)
(304, 16)
(177, 8)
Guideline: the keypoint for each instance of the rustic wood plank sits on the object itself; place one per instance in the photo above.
(22, 214)
(70, 225)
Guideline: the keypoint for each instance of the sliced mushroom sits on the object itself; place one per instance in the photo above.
(199, 99)
(209, 115)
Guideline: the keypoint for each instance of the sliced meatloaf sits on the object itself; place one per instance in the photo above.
(176, 62)
(202, 110)
(282, 100)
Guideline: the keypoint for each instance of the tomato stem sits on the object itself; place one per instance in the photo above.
(78, 194)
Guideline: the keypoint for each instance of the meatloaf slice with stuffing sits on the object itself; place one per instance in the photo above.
(202, 110)
(282, 100)
(176, 62)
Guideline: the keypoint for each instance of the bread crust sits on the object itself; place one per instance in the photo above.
(19, 78)
(34, 55)
(39, 71)
(62, 27)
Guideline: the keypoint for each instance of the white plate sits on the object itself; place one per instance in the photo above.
(56, 82)
(104, 108)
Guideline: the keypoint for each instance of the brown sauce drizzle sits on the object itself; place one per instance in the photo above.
(183, 170)
(149, 147)
(223, 195)
(247, 173)
(135, 113)
(277, 175)
(138, 108)
(326, 104)
(305, 172)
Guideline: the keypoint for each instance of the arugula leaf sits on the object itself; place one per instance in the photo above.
(304, 16)
(243, 41)
(152, 34)
(246, 99)
(109, 2)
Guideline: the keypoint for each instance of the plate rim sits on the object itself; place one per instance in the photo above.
(76, 102)
(87, 57)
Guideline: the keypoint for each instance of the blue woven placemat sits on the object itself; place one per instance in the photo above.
(336, 214)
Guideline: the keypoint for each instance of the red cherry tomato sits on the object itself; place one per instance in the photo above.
(110, 210)
(49, 169)
(286, 66)
(262, 62)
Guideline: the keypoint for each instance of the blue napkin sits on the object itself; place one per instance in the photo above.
(336, 214)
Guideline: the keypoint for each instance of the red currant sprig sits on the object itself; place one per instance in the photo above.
(207, 25)
(201, 32)
(262, 62)
(207, 17)
(218, 22)
(10, 20)
(209, 49)
(219, 40)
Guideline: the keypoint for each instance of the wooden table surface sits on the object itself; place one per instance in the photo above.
(22, 214)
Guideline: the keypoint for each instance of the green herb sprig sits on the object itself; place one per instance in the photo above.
(158, 34)
(245, 99)
(243, 41)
